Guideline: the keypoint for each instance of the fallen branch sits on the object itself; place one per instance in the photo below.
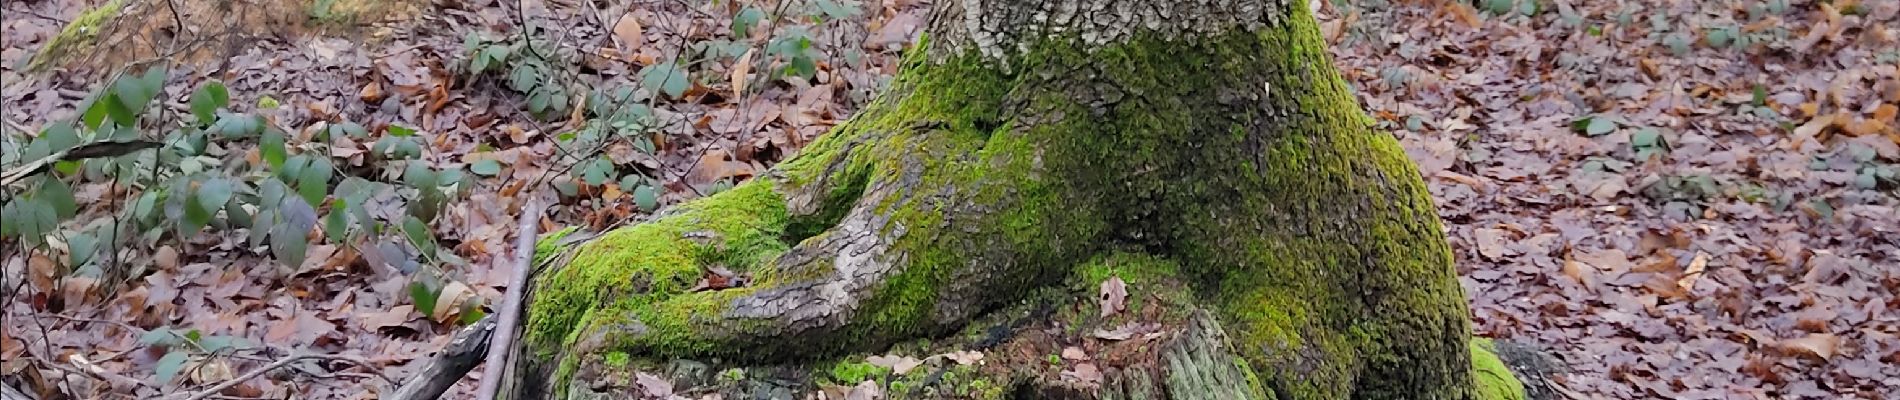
(227, 384)
(469, 346)
(510, 311)
(7, 392)
(85, 151)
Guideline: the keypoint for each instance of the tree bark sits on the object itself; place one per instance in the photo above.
(1207, 146)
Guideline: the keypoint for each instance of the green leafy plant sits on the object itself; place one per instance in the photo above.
(197, 181)
(183, 345)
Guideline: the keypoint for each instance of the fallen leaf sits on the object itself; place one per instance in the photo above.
(1085, 373)
(1886, 112)
(867, 390)
(715, 166)
(898, 364)
(1818, 345)
(1696, 266)
(1612, 260)
(395, 316)
(165, 258)
(1125, 331)
(75, 290)
(1580, 272)
(371, 93)
(741, 71)
(1814, 127)
(1491, 242)
(653, 386)
(1114, 296)
(210, 370)
(964, 357)
(629, 32)
(449, 302)
(1074, 353)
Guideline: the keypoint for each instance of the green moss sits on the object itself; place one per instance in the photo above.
(617, 359)
(1493, 380)
(77, 35)
(850, 373)
(550, 244)
(1313, 235)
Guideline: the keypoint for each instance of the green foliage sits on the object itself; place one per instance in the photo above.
(850, 373)
(1595, 125)
(197, 182)
(182, 345)
(665, 77)
(521, 63)
(743, 22)
(1647, 142)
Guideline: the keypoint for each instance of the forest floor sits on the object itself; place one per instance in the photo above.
(1682, 199)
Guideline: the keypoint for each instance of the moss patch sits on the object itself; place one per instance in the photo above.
(1493, 380)
(850, 373)
(1157, 160)
(77, 35)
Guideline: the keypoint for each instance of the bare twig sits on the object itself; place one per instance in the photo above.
(510, 311)
(214, 390)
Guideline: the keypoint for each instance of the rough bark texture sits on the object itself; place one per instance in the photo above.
(1025, 144)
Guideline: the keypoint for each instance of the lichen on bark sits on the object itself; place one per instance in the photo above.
(1007, 159)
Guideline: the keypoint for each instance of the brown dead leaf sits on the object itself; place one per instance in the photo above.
(629, 33)
(1886, 113)
(1863, 127)
(1491, 242)
(1580, 272)
(1125, 332)
(75, 290)
(653, 386)
(1074, 353)
(741, 71)
(449, 302)
(1696, 266)
(210, 370)
(718, 278)
(1817, 345)
(395, 316)
(898, 364)
(42, 270)
(1467, 180)
(867, 390)
(165, 258)
(964, 357)
(1466, 14)
(1085, 373)
(1814, 127)
(611, 192)
(1611, 260)
(371, 93)
(1114, 296)
(716, 165)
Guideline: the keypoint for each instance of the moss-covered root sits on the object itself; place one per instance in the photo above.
(76, 36)
(1493, 380)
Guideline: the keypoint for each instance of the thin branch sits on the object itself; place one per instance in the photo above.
(503, 338)
(214, 390)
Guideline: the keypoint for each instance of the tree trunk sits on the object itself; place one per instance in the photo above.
(1206, 152)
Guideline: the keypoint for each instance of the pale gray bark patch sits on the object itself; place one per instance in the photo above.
(858, 253)
(1001, 29)
(1200, 364)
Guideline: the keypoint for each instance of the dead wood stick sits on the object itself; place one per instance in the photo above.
(7, 392)
(214, 390)
(510, 311)
(469, 346)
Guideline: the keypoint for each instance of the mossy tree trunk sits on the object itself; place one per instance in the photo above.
(1023, 142)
